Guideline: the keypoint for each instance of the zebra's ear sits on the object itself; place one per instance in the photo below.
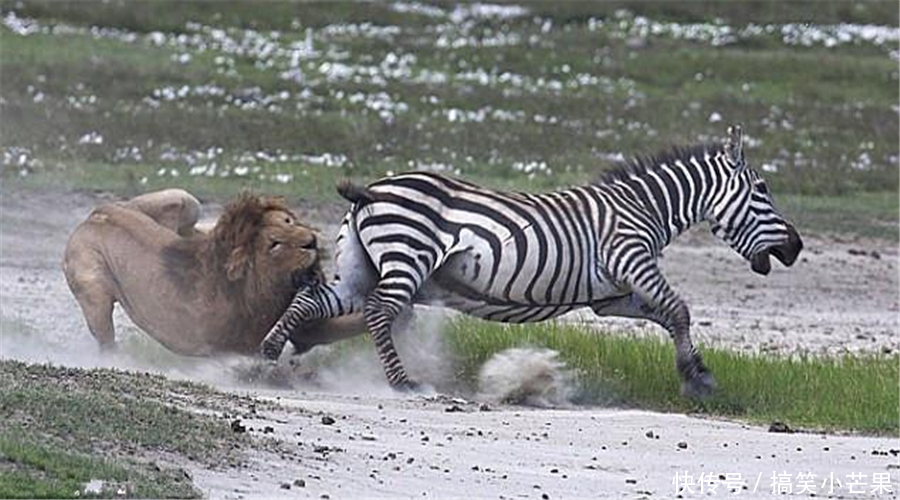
(734, 147)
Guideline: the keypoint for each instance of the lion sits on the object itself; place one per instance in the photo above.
(197, 293)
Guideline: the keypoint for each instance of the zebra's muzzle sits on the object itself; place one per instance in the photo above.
(786, 253)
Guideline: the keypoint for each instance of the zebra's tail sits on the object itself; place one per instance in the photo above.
(355, 193)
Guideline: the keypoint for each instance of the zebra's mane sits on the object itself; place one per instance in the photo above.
(640, 165)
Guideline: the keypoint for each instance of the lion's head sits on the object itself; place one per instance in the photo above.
(258, 254)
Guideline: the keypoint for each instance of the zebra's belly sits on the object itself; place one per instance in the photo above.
(473, 279)
(485, 307)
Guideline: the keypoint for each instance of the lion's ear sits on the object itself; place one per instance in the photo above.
(238, 262)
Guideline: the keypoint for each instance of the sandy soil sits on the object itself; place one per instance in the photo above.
(841, 295)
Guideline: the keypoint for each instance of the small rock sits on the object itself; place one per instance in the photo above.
(780, 427)
(453, 409)
(631, 481)
(268, 429)
(682, 445)
(237, 427)
(545, 496)
(285, 486)
(484, 407)
(300, 483)
(650, 434)
(326, 420)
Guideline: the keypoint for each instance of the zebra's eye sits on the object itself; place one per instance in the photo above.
(762, 188)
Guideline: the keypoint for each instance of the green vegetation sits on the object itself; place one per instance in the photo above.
(855, 393)
(35, 470)
(128, 419)
(563, 88)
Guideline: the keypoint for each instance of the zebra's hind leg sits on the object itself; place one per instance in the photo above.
(388, 301)
(655, 300)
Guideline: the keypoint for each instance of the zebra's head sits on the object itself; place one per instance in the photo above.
(744, 214)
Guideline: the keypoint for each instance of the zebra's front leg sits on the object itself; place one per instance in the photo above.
(321, 301)
(655, 300)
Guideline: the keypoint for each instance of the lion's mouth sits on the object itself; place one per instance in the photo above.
(302, 278)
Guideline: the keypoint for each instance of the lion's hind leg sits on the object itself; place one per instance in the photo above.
(175, 209)
(89, 282)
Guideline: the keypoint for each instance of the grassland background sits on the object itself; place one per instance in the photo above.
(285, 97)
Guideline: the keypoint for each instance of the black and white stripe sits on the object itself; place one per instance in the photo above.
(516, 258)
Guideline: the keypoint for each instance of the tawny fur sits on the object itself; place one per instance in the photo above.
(196, 293)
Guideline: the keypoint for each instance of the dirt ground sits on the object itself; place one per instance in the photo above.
(841, 296)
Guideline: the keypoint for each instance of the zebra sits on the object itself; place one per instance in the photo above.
(515, 257)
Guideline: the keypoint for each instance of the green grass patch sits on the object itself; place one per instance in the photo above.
(847, 393)
(62, 427)
(30, 469)
(868, 214)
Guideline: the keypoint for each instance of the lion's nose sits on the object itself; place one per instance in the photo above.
(312, 244)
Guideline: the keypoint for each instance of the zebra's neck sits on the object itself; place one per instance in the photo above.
(677, 189)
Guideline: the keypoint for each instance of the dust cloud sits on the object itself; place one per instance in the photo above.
(527, 376)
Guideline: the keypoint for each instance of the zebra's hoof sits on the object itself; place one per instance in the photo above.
(270, 351)
(701, 386)
(409, 387)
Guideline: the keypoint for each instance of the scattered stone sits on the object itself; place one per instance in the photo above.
(780, 427)
(268, 429)
(545, 496)
(484, 407)
(454, 409)
(326, 420)
(300, 483)
(631, 481)
(285, 486)
(237, 427)
(650, 434)
(682, 445)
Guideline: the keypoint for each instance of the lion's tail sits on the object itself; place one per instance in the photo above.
(355, 193)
